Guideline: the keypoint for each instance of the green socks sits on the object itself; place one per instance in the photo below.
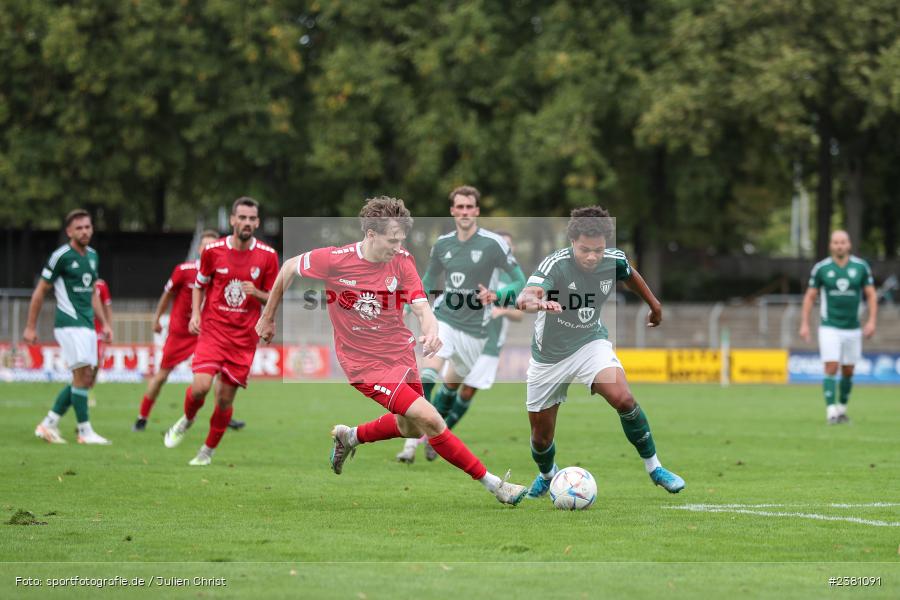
(457, 411)
(429, 378)
(637, 430)
(444, 399)
(845, 386)
(828, 385)
(63, 401)
(544, 458)
(80, 403)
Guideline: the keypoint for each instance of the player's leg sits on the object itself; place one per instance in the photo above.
(460, 405)
(48, 428)
(612, 385)
(153, 387)
(830, 351)
(82, 380)
(543, 448)
(480, 377)
(851, 353)
(194, 397)
(431, 369)
(218, 422)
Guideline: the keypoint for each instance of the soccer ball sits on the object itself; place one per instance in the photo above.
(573, 488)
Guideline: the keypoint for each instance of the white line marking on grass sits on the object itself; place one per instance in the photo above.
(796, 505)
(738, 509)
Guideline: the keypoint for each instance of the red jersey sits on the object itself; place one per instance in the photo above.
(229, 315)
(365, 302)
(181, 284)
(105, 299)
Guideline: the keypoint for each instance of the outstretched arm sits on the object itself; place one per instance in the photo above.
(265, 327)
(636, 284)
(532, 300)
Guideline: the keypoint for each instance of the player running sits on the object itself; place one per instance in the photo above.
(371, 281)
(843, 279)
(484, 371)
(570, 342)
(235, 274)
(180, 342)
(468, 259)
(72, 272)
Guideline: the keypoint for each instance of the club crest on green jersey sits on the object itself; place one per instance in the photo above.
(585, 314)
(476, 255)
(457, 278)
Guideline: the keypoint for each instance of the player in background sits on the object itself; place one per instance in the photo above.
(180, 342)
(102, 291)
(235, 276)
(72, 272)
(464, 261)
(842, 279)
(371, 281)
(484, 371)
(570, 343)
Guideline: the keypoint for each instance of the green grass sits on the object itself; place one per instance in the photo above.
(269, 516)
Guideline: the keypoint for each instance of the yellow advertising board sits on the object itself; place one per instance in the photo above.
(649, 365)
(695, 365)
(759, 366)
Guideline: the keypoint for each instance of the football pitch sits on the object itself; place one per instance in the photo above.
(776, 503)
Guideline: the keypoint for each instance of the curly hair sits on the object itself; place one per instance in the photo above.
(589, 221)
(378, 212)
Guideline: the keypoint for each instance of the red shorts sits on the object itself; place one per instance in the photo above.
(212, 357)
(395, 388)
(177, 350)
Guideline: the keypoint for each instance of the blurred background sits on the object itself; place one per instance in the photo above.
(727, 138)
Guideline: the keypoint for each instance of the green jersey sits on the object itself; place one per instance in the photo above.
(73, 277)
(464, 265)
(496, 329)
(581, 294)
(840, 290)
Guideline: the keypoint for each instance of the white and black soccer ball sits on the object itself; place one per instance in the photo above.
(573, 488)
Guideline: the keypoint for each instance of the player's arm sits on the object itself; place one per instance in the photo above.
(636, 284)
(161, 307)
(34, 309)
(265, 327)
(513, 314)
(532, 299)
(809, 298)
(872, 305)
(251, 290)
(428, 324)
(104, 313)
(198, 294)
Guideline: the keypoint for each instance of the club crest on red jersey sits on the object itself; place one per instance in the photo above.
(368, 306)
(234, 294)
(254, 272)
(391, 283)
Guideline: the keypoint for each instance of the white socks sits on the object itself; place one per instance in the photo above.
(51, 420)
(354, 441)
(85, 428)
(832, 410)
(651, 463)
(553, 471)
(491, 482)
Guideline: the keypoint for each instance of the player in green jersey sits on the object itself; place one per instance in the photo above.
(72, 272)
(570, 342)
(463, 263)
(483, 372)
(841, 279)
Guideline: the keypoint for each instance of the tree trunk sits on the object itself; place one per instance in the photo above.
(159, 205)
(650, 251)
(854, 203)
(889, 219)
(824, 205)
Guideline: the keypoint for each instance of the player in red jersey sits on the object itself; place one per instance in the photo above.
(236, 274)
(180, 342)
(102, 291)
(367, 284)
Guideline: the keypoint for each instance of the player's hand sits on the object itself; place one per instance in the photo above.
(107, 333)
(157, 327)
(869, 329)
(265, 329)
(248, 288)
(497, 312)
(486, 296)
(551, 306)
(654, 317)
(430, 344)
(194, 325)
(804, 332)
(30, 335)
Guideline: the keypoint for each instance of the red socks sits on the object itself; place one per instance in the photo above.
(146, 405)
(191, 406)
(382, 428)
(218, 423)
(455, 452)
